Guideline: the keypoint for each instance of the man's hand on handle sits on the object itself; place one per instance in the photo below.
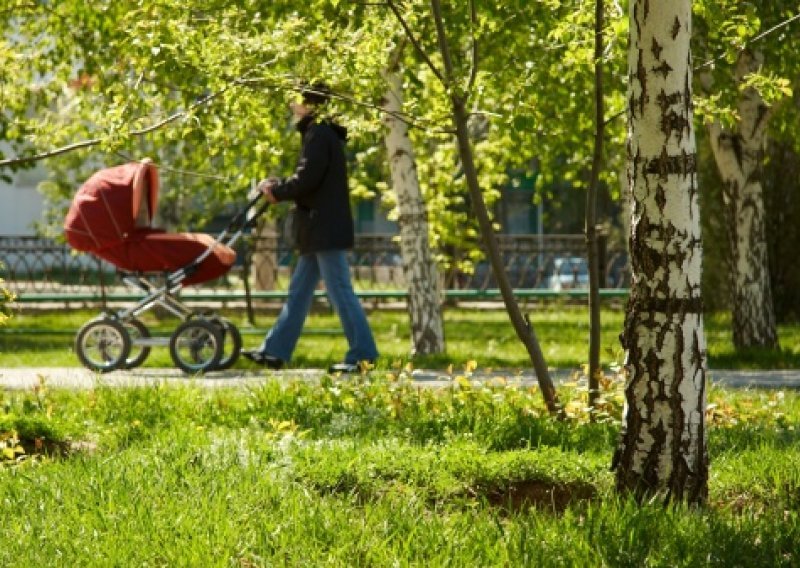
(266, 186)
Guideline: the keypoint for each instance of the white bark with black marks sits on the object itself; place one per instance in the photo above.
(739, 155)
(662, 448)
(419, 267)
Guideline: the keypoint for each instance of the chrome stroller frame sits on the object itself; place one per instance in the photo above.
(203, 341)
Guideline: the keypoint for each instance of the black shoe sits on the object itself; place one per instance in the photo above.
(350, 367)
(263, 359)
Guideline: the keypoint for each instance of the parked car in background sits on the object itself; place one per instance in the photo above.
(569, 273)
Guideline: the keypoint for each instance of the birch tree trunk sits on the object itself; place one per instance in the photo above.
(419, 267)
(662, 447)
(739, 155)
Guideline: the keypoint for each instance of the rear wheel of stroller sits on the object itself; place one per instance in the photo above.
(103, 345)
(231, 343)
(196, 346)
(136, 330)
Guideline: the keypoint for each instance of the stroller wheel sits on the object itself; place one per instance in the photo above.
(103, 345)
(231, 343)
(196, 346)
(136, 330)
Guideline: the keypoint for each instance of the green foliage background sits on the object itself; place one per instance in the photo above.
(104, 71)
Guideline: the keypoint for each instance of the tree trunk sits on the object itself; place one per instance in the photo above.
(591, 212)
(662, 447)
(419, 268)
(264, 264)
(739, 155)
(522, 325)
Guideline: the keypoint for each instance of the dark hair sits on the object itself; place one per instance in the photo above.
(316, 94)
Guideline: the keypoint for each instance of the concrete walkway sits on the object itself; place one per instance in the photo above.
(78, 377)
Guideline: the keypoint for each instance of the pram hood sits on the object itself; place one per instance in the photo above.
(111, 215)
(105, 209)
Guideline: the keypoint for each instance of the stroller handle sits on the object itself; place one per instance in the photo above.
(239, 223)
(242, 220)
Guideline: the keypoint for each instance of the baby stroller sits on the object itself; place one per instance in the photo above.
(111, 217)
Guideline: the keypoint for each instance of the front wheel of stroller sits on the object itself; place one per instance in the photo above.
(196, 346)
(231, 343)
(103, 345)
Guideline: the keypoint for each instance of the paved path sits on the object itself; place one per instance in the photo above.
(77, 377)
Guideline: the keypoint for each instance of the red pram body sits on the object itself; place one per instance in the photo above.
(111, 215)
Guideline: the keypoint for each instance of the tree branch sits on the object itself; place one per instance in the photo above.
(205, 100)
(51, 153)
(163, 168)
(759, 37)
(97, 141)
(613, 117)
(414, 42)
(14, 9)
(11, 162)
(444, 48)
(473, 72)
(404, 117)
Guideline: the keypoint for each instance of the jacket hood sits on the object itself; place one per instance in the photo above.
(304, 123)
(340, 130)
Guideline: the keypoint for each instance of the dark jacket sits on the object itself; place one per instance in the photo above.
(319, 188)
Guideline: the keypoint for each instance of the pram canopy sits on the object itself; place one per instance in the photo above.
(111, 217)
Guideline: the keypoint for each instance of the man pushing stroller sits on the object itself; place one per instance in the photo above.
(323, 232)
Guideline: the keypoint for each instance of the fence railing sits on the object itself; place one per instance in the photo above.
(34, 266)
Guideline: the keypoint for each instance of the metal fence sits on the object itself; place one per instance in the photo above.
(32, 265)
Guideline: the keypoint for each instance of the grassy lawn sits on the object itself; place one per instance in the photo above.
(35, 338)
(374, 472)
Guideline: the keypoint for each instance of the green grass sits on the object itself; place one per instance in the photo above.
(377, 472)
(485, 336)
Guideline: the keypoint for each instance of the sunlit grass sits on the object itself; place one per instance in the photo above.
(483, 335)
(376, 472)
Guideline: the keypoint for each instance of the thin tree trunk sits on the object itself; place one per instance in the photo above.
(591, 211)
(662, 447)
(521, 324)
(739, 156)
(419, 267)
(264, 264)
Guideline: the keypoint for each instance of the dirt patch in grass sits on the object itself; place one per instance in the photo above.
(545, 495)
(511, 497)
(55, 448)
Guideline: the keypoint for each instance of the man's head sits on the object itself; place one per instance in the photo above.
(316, 94)
(313, 96)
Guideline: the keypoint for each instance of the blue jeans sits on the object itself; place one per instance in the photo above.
(332, 267)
